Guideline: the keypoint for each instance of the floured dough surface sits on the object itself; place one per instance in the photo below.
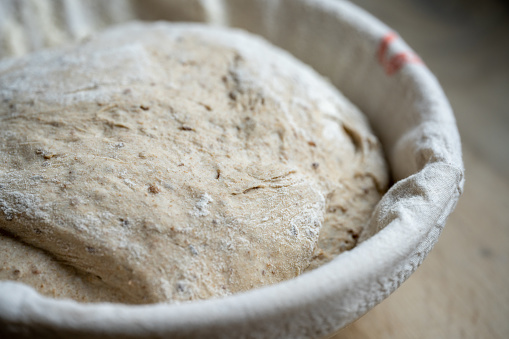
(173, 162)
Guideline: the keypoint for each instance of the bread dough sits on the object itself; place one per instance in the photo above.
(171, 162)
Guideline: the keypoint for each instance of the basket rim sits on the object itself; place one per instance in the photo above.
(351, 275)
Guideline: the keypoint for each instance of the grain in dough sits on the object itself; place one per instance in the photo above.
(172, 162)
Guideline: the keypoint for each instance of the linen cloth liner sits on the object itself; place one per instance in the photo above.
(372, 66)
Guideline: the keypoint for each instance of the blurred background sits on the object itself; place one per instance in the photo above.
(462, 288)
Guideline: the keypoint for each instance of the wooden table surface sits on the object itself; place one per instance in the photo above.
(462, 288)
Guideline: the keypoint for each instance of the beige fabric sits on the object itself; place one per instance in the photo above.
(413, 119)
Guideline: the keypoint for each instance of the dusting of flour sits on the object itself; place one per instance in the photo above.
(200, 208)
(173, 162)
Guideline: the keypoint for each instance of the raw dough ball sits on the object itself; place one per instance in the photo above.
(171, 162)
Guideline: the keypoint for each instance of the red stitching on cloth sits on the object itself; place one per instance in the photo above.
(384, 46)
(397, 61)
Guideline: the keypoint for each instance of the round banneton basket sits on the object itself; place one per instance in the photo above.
(410, 114)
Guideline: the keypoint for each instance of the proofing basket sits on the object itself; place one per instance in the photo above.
(410, 114)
